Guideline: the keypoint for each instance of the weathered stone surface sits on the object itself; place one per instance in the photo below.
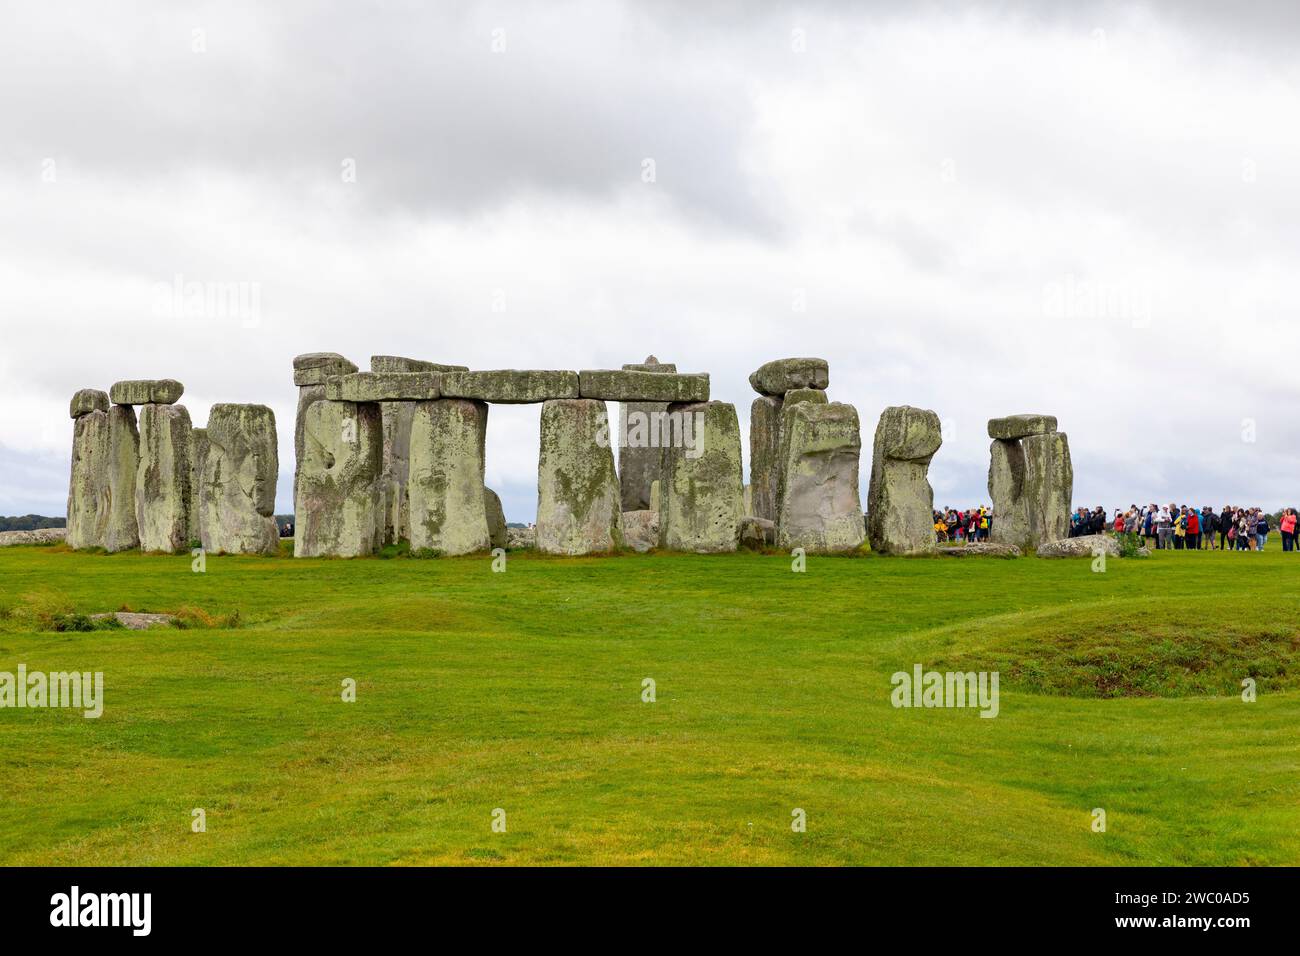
(702, 489)
(525, 538)
(577, 488)
(764, 455)
(1010, 524)
(199, 448)
(308, 395)
(496, 520)
(162, 481)
(757, 533)
(339, 499)
(640, 459)
(818, 506)
(88, 400)
(383, 387)
(124, 466)
(316, 368)
(782, 375)
(161, 391)
(1012, 427)
(641, 530)
(654, 495)
(89, 498)
(397, 418)
(397, 363)
(796, 395)
(34, 536)
(981, 549)
(510, 386)
(1081, 547)
(900, 502)
(627, 386)
(1049, 485)
(447, 498)
(238, 481)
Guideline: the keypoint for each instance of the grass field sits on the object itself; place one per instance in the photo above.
(523, 691)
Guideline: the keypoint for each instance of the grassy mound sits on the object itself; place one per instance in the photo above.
(1110, 649)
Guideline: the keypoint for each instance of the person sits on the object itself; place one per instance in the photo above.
(1287, 527)
(1180, 528)
(1225, 525)
(1261, 527)
(1164, 528)
(984, 524)
(1247, 530)
(1119, 522)
(1148, 523)
(1209, 522)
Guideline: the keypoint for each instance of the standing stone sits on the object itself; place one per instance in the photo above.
(765, 454)
(339, 498)
(89, 497)
(577, 487)
(310, 373)
(1049, 485)
(820, 510)
(445, 486)
(498, 535)
(162, 483)
(200, 446)
(639, 461)
(239, 473)
(702, 490)
(397, 416)
(900, 502)
(1031, 480)
(124, 466)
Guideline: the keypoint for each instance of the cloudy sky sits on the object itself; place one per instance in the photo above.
(976, 208)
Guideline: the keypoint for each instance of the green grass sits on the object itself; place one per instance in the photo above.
(522, 691)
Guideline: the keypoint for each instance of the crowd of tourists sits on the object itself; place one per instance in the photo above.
(1176, 527)
(1186, 527)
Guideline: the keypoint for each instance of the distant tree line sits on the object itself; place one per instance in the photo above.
(31, 523)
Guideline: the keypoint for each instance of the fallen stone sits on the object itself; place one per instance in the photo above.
(448, 500)
(89, 497)
(339, 499)
(577, 487)
(397, 363)
(702, 488)
(819, 507)
(34, 536)
(162, 391)
(383, 387)
(521, 538)
(496, 520)
(757, 533)
(628, 386)
(981, 549)
(238, 481)
(1012, 427)
(900, 502)
(316, 368)
(1083, 546)
(641, 530)
(88, 400)
(764, 455)
(783, 375)
(124, 467)
(162, 482)
(510, 386)
(137, 620)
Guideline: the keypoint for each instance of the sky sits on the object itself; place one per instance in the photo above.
(1089, 210)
